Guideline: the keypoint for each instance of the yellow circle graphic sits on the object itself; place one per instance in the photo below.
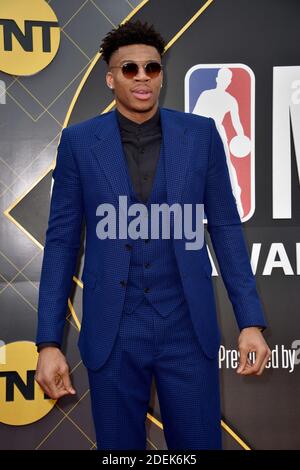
(29, 36)
(22, 400)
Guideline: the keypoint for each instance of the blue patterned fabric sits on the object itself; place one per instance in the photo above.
(91, 170)
(187, 383)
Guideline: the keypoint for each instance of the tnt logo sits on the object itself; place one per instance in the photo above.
(29, 36)
(22, 401)
(225, 92)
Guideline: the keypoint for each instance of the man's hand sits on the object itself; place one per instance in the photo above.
(52, 373)
(251, 339)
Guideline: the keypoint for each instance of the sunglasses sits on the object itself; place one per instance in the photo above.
(131, 69)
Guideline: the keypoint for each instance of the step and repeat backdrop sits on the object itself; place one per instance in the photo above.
(234, 60)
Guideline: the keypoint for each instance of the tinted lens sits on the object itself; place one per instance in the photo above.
(130, 69)
(153, 69)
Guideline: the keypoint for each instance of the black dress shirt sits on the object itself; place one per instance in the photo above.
(141, 144)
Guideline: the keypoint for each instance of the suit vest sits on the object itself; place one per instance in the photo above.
(153, 269)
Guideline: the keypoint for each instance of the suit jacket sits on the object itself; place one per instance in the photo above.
(90, 170)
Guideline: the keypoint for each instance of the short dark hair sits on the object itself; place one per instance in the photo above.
(131, 32)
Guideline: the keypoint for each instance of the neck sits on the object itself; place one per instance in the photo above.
(138, 117)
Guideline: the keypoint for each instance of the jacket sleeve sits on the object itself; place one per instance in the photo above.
(225, 229)
(61, 245)
(41, 346)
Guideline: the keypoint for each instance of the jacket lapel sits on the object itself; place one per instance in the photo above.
(110, 155)
(177, 154)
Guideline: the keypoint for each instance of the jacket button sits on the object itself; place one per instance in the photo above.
(128, 246)
(123, 283)
(147, 265)
(146, 290)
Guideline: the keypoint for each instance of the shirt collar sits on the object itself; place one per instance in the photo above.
(131, 126)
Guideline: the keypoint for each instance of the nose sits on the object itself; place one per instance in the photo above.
(141, 75)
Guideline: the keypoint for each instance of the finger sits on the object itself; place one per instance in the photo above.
(265, 361)
(59, 383)
(243, 360)
(48, 389)
(56, 387)
(261, 356)
(67, 382)
(248, 369)
(254, 368)
(52, 385)
(45, 388)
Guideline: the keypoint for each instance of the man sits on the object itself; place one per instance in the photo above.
(148, 303)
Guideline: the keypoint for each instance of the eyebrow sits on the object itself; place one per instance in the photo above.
(131, 60)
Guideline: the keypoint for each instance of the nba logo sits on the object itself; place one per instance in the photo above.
(225, 92)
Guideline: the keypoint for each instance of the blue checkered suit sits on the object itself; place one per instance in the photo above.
(91, 170)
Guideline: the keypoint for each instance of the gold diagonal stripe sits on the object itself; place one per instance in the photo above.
(223, 424)
(127, 1)
(74, 315)
(9, 284)
(32, 163)
(20, 271)
(75, 44)
(11, 207)
(19, 293)
(75, 424)
(75, 14)
(102, 12)
(66, 87)
(12, 170)
(152, 444)
(62, 419)
(188, 24)
(25, 110)
(235, 436)
(4, 90)
(155, 421)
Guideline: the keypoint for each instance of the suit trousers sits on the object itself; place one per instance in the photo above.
(187, 383)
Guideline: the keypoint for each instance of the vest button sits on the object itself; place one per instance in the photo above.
(147, 265)
(128, 246)
(147, 240)
(146, 290)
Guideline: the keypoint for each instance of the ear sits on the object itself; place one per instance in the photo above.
(110, 80)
